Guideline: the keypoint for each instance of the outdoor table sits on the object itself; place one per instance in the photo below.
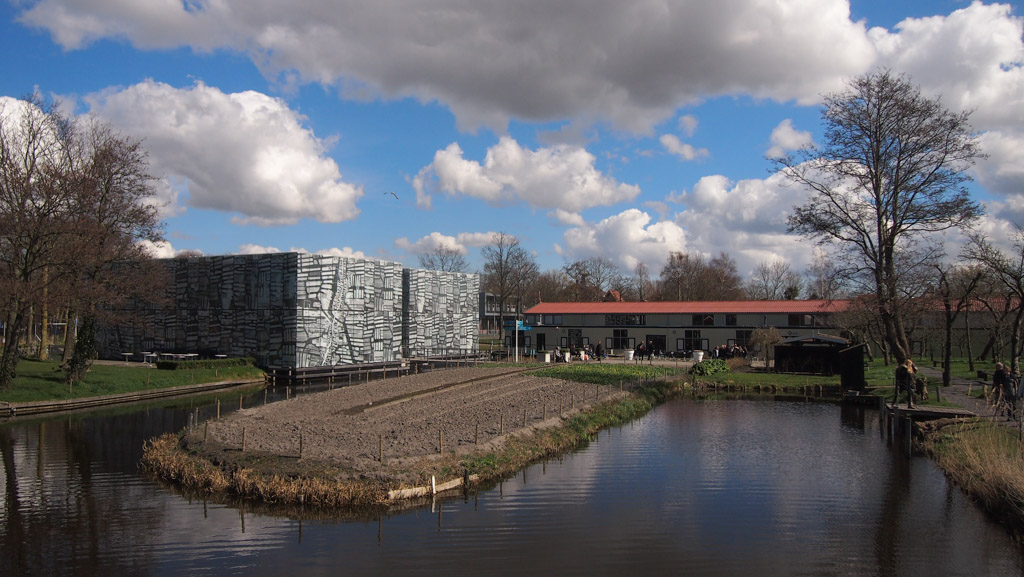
(126, 357)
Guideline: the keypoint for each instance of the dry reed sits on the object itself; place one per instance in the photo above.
(986, 460)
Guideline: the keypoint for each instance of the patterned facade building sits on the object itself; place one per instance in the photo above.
(440, 312)
(299, 310)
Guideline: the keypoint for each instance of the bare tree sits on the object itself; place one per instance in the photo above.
(71, 211)
(823, 279)
(591, 278)
(774, 281)
(505, 268)
(642, 282)
(550, 286)
(893, 168)
(955, 288)
(444, 258)
(694, 278)
(36, 184)
(1007, 270)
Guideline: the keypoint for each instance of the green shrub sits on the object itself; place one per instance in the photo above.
(709, 367)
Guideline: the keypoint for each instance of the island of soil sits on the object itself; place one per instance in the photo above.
(376, 442)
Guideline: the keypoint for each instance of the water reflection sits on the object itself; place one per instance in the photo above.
(709, 488)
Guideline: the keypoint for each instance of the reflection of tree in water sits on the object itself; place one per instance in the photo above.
(887, 539)
(59, 516)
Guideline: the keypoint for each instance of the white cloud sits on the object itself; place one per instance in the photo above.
(558, 177)
(679, 148)
(347, 252)
(1003, 171)
(688, 125)
(567, 218)
(746, 219)
(245, 153)
(626, 238)
(973, 58)
(161, 249)
(786, 138)
(632, 64)
(430, 243)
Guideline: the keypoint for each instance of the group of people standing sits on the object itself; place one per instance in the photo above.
(644, 350)
(584, 353)
(1005, 387)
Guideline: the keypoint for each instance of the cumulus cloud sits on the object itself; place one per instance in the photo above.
(492, 60)
(1002, 173)
(786, 138)
(746, 219)
(626, 238)
(160, 249)
(558, 177)
(565, 217)
(347, 252)
(245, 153)
(688, 125)
(681, 149)
(972, 57)
(430, 243)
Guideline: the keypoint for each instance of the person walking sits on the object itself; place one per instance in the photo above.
(905, 374)
(1004, 389)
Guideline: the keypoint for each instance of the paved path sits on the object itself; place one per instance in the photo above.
(956, 393)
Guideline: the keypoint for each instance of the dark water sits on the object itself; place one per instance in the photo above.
(694, 488)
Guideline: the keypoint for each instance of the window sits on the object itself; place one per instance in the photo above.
(552, 319)
(730, 320)
(691, 340)
(743, 337)
(801, 320)
(624, 320)
(620, 339)
(703, 320)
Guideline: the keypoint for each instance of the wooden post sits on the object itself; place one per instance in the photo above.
(240, 401)
(476, 436)
(243, 439)
(440, 441)
(218, 409)
(264, 396)
(300, 443)
(206, 430)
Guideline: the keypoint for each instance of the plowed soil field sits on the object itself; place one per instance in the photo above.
(381, 427)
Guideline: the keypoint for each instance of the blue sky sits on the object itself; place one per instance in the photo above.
(585, 128)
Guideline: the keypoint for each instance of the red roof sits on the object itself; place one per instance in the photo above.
(692, 307)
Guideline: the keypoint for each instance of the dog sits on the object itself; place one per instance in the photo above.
(921, 388)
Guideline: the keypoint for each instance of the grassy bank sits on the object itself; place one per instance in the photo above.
(172, 458)
(986, 460)
(44, 381)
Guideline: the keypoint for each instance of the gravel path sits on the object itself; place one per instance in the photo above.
(957, 393)
(405, 419)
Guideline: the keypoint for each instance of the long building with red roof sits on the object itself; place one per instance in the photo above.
(673, 327)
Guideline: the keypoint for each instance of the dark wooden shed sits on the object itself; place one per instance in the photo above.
(815, 354)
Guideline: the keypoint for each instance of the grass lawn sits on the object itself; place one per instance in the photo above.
(44, 381)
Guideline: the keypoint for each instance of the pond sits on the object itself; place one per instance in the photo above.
(731, 487)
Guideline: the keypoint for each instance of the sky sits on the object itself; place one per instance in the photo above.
(586, 128)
